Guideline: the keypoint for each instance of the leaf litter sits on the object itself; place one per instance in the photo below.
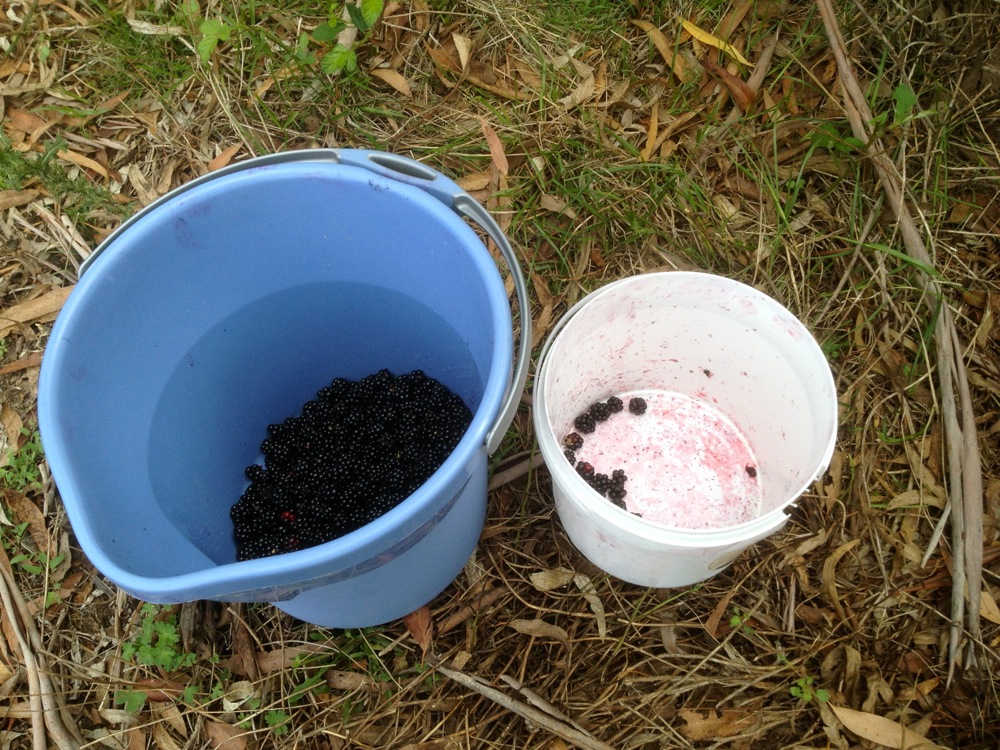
(719, 141)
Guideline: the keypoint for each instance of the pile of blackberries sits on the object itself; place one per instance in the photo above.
(354, 453)
(611, 487)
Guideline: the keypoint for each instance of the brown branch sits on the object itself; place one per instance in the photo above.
(965, 468)
(534, 715)
(34, 661)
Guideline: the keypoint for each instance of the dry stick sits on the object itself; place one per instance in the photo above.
(965, 468)
(517, 470)
(532, 714)
(53, 713)
(34, 695)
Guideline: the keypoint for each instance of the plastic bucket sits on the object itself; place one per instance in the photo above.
(750, 421)
(224, 307)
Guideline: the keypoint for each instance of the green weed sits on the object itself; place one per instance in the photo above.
(157, 644)
(21, 472)
(318, 47)
(130, 700)
(803, 690)
(739, 620)
(278, 721)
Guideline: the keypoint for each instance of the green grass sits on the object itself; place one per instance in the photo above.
(79, 197)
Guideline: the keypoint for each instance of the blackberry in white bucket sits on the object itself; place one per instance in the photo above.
(613, 486)
(356, 452)
(637, 405)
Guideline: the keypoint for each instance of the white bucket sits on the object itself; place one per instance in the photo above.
(742, 419)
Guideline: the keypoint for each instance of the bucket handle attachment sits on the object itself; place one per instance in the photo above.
(410, 172)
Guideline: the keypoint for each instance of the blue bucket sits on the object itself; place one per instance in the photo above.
(226, 305)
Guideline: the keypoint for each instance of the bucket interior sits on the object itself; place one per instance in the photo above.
(224, 309)
(710, 339)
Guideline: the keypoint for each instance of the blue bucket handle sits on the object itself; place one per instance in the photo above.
(410, 172)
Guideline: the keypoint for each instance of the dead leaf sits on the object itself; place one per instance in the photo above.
(584, 90)
(920, 690)
(24, 121)
(395, 79)
(463, 46)
(350, 681)
(988, 609)
(225, 157)
(24, 363)
(671, 56)
(82, 161)
(280, 658)
(586, 586)
(26, 511)
(118, 717)
(713, 726)
(12, 426)
(713, 41)
(169, 713)
(13, 198)
(421, 628)
(475, 181)
(651, 131)
(158, 690)
(881, 730)
(225, 736)
(742, 94)
(239, 694)
(38, 309)
(549, 580)
(600, 80)
(830, 575)
(137, 738)
(540, 326)
(163, 739)
(496, 147)
(541, 629)
(557, 206)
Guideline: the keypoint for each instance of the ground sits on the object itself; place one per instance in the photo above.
(841, 157)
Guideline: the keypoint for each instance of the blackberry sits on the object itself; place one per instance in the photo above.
(615, 404)
(615, 500)
(600, 411)
(585, 470)
(585, 423)
(616, 494)
(353, 453)
(570, 456)
(618, 475)
(601, 483)
(573, 441)
(637, 405)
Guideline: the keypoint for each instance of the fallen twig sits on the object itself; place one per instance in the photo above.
(479, 603)
(536, 716)
(43, 696)
(517, 470)
(964, 462)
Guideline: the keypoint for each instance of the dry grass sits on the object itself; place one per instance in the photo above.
(853, 597)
